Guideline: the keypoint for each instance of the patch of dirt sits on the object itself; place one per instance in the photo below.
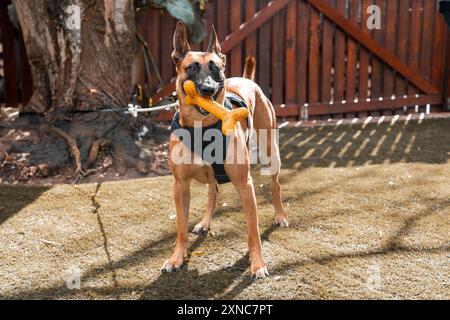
(20, 168)
(369, 213)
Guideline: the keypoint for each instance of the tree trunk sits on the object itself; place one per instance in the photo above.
(81, 53)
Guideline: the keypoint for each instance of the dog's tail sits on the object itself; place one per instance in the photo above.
(249, 68)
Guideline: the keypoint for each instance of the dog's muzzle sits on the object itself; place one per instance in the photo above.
(207, 87)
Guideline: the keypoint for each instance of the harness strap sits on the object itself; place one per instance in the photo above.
(218, 168)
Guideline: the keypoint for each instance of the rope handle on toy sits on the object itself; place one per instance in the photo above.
(229, 117)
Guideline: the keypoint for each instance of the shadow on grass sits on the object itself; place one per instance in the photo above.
(190, 285)
(228, 282)
(15, 198)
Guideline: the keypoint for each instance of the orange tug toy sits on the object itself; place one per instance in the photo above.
(229, 117)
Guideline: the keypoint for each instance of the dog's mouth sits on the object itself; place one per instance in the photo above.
(214, 96)
(203, 112)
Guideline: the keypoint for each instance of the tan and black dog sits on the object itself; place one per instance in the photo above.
(206, 69)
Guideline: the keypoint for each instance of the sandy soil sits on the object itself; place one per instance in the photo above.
(368, 206)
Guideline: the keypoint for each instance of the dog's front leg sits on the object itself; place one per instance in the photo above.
(240, 177)
(181, 195)
(246, 192)
(239, 173)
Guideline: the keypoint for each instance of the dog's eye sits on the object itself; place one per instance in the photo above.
(213, 67)
(191, 68)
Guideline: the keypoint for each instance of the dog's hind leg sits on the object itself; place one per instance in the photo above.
(272, 169)
(275, 187)
(203, 226)
(265, 125)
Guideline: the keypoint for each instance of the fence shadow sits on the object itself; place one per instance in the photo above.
(423, 141)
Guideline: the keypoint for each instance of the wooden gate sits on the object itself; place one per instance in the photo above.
(319, 58)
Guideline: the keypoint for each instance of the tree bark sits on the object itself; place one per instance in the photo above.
(80, 52)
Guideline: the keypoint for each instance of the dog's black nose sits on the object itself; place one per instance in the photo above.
(205, 90)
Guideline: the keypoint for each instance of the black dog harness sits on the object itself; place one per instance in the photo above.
(219, 169)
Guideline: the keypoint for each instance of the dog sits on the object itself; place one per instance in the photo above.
(206, 69)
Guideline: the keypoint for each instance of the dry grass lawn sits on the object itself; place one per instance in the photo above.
(369, 213)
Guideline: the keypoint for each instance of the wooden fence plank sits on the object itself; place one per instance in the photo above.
(302, 51)
(264, 54)
(250, 42)
(327, 58)
(153, 40)
(390, 44)
(402, 42)
(313, 65)
(446, 104)
(210, 20)
(319, 109)
(277, 58)
(139, 75)
(339, 55)
(290, 64)
(349, 107)
(236, 52)
(168, 28)
(429, 11)
(377, 64)
(352, 47)
(437, 77)
(223, 27)
(364, 59)
(414, 41)
(222, 18)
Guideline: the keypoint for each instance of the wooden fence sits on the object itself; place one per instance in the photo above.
(318, 57)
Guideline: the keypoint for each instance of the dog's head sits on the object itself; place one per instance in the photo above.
(205, 69)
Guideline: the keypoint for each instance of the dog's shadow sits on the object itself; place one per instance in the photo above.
(217, 284)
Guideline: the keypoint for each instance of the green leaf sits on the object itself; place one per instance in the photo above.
(185, 11)
(198, 31)
(180, 9)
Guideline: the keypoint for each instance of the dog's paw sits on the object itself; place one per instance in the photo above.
(169, 266)
(260, 273)
(201, 229)
(258, 268)
(282, 222)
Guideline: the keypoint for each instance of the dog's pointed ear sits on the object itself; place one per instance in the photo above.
(180, 43)
(214, 45)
